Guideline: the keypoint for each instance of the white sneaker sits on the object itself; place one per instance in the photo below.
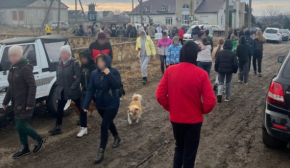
(82, 132)
(239, 81)
(227, 100)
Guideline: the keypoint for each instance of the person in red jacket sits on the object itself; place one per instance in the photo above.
(181, 35)
(186, 92)
(101, 46)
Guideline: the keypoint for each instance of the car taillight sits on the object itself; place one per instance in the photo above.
(276, 94)
(279, 127)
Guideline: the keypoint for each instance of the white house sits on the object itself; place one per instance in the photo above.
(30, 13)
(160, 11)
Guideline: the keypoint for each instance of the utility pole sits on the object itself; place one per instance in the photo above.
(76, 10)
(250, 15)
(141, 6)
(132, 11)
(46, 16)
(58, 17)
(227, 19)
(83, 10)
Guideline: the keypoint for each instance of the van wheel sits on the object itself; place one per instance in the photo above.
(272, 142)
(51, 104)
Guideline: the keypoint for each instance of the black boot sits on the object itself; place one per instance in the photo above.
(117, 140)
(215, 87)
(144, 80)
(24, 151)
(56, 130)
(219, 98)
(99, 158)
(38, 145)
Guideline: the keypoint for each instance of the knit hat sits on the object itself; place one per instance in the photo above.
(102, 36)
(66, 48)
(175, 38)
(16, 50)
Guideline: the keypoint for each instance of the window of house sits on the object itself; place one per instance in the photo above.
(185, 6)
(185, 19)
(168, 21)
(14, 15)
(163, 8)
(28, 52)
(21, 15)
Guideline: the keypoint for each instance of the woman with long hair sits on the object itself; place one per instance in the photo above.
(215, 51)
(104, 84)
(187, 103)
(258, 52)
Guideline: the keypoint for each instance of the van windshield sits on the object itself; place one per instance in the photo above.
(271, 31)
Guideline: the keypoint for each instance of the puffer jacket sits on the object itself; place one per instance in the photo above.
(163, 46)
(173, 54)
(87, 69)
(149, 45)
(22, 90)
(105, 88)
(243, 50)
(226, 60)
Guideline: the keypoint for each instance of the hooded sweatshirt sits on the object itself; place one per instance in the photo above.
(87, 69)
(205, 54)
(146, 45)
(243, 50)
(226, 60)
(104, 87)
(163, 45)
(194, 95)
(173, 54)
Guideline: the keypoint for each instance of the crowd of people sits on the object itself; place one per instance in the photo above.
(185, 89)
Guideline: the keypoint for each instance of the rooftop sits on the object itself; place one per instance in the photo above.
(156, 7)
(210, 6)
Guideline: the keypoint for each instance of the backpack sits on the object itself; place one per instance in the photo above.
(248, 41)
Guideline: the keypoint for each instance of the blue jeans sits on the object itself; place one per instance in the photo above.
(205, 66)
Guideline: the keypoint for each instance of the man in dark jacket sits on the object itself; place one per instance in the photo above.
(129, 31)
(88, 66)
(226, 64)
(244, 54)
(121, 32)
(101, 46)
(21, 93)
(104, 84)
(250, 42)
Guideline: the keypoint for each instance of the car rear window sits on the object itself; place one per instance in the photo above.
(272, 31)
(286, 70)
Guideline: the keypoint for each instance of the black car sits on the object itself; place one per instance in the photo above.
(276, 116)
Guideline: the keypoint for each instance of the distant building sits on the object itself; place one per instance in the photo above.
(111, 18)
(183, 12)
(30, 13)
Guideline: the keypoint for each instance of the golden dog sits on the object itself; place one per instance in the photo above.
(134, 111)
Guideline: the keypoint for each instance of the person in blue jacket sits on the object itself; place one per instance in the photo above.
(173, 52)
(251, 43)
(104, 83)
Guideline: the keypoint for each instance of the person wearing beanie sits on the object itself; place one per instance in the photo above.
(163, 45)
(101, 46)
(243, 53)
(21, 93)
(173, 52)
(146, 50)
(87, 67)
(68, 77)
(185, 91)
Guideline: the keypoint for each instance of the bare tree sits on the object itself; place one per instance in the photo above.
(273, 12)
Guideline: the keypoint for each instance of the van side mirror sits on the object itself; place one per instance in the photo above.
(281, 59)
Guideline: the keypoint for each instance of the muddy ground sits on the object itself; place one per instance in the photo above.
(230, 138)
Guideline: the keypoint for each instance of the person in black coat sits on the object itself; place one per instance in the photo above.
(243, 53)
(21, 93)
(226, 64)
(87, 67)
(258, 52)
(101, 46)
(104, 84)
(68, 84)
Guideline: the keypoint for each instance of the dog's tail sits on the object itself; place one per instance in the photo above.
(137, 97)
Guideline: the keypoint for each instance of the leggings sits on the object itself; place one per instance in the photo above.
(61, 105)
(162, 63)
(108, 117)
(258, 56)
(24, 130)
(187, 140)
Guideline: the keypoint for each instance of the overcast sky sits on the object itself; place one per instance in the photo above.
(259, 6)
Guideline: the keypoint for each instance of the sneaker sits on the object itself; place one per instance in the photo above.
(246, 83)
(56, 130)
(260, 75)
(39, 142)
(227, 100)
(82, 132)
(215, 87)
(143, 80)
(219, 98)
(239, 81)
(24, 151)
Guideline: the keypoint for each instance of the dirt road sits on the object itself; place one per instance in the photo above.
(231, 134)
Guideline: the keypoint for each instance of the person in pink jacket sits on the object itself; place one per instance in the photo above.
(163, 45)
